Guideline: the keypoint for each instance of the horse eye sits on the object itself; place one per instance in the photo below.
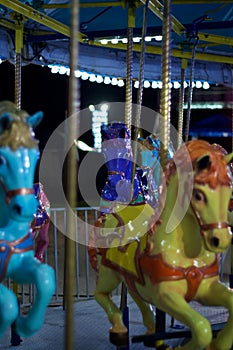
(199, 196)
(2, 160)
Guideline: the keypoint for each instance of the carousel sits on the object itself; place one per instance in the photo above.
(154, 251)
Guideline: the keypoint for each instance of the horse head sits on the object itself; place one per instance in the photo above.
(211, 194)
(18, 158)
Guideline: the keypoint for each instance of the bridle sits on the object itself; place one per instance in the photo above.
(12, 193)
(209, 226)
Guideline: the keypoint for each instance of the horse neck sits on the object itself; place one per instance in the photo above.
(178, 227)
(5, 213)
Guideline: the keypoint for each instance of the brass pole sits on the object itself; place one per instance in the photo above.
(165, 104)
(73, 131)
(18, 62)
(181, 104)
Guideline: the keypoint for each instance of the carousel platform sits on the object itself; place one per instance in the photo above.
(91, 328)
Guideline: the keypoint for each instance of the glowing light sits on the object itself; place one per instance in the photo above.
(146, 84)
(107, 80)
(91, 108)
(136, 39)
(176, 85)
(124, 40)
(62, 70)
(104, 107)
(206, 85)
(114, 41)
(198, 84)
(114, 81)
(84, 75)
(103, 41)
(99, 79)
(160, 84)
(92, 78)
(136, 84)
(77, 73)
(158, 37)
(54, 69)
(154, 85)
(120, 83)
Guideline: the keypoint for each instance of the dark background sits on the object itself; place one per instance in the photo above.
(42, 90)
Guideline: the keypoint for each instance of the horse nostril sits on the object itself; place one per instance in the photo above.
(215, 242)
(17, 209)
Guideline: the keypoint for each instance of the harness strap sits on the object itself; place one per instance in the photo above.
(12, 193)
(7, 248)
(160, 271)
(209, 226)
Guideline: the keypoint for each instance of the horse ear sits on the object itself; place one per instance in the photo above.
(6, 120)
(203, 163)
(229, 158)
(35, 119)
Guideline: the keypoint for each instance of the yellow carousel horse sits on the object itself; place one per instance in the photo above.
(172, 258)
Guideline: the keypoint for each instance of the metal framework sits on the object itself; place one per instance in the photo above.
(155, 6)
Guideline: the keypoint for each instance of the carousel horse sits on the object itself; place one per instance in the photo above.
(41, 221)
(117, 150)
(18, 158)
(168, 262)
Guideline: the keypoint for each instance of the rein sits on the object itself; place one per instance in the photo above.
(12, 193)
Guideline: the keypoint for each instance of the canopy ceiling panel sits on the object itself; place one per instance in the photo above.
(206, 24)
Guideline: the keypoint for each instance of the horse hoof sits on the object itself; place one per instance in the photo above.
(119, 339)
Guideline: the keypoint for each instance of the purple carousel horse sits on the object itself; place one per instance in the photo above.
(40, 224)
(117, 151)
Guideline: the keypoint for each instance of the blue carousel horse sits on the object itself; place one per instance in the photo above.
(118, 155)
(18, 158)
(41, 221)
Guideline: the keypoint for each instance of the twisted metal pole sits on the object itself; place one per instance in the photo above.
(18, 62)
(165, 104)
(181, 103)
(129, 68)
(190, 95)
(140, 91)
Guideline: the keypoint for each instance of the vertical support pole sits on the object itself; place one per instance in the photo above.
(165, 107)
(231, 274)
(181, 103)
(15, 338)
(73, 133)
(165, 110)
(18, 63)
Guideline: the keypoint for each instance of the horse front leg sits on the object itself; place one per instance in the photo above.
(219, 295)
(107, 281)
(169, 298)
(9, 308)
(42, 276)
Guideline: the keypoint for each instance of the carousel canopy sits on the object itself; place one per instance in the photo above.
(217, 125)
(45, 26)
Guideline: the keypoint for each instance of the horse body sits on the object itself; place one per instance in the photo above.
(176, 260)
(18, 158)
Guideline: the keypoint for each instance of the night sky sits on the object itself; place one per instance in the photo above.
(42, 90)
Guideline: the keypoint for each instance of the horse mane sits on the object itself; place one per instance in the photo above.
(19, 133)
(216, 174)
